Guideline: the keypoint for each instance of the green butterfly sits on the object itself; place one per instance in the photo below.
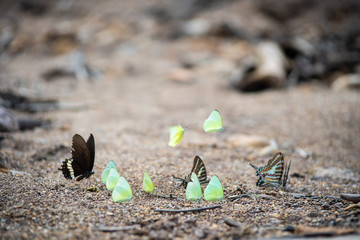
(193, 189)
(148, 185)
(214, 190)
(176, 134)
(213, 123)
(122, 191)
(112, 179)
(105, 174)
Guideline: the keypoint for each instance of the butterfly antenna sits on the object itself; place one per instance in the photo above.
(256, 168)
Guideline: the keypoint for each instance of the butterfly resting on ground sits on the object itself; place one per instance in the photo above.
(273, 173)
(81, 164)
(200, 171)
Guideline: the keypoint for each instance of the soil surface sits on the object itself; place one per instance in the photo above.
(139, 94)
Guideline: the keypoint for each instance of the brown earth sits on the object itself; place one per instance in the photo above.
(129, 110)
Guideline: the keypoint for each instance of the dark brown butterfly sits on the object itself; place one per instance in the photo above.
(200, 171)
(273, 174)
(83, 156)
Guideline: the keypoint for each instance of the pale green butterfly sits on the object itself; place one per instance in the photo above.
(105, 174)
(193, 189)
(148, 185)
(214, 190)
(213, 123)
(112, 179)
(176, 134)
(122, 191)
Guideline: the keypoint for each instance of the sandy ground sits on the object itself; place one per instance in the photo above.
(129, 110)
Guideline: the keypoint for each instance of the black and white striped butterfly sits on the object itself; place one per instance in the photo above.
(200, 171)
(83, 156)
(273, 173)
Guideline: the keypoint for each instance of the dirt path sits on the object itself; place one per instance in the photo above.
(129, 110)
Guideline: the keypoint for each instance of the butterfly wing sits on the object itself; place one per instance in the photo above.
(112, 179)
(272, 172)
(91, 147)
(214, 191)
(105, 173)
(122, 191)
(176, 134)
(82, 163)
(193, 189)
(199, 169)
(213, 123)
(148, 185)
(286, 174)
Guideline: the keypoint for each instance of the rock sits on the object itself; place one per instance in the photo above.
(8, 121)
(181, 75)
(269, 70)
(248, 141)
(272, 148)
(351, 197)
(196, 27)
(347, 81)
(335, 173)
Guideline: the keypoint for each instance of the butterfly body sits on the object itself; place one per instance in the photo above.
(273, 173)
(81, 164)
(200, 171)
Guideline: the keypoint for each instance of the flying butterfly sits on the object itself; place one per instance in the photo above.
(272, 174)
(176, 134)
(82, 162)
(213, 123)
(200, 171)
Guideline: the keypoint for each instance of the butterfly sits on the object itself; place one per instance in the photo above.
(176, 134)
(272, 174)
(82, 162)
(148, 185)
(200, 171)
(122, 191)
(193, 189)
(213, 123)
(214, 190)
(112, 179)
(105, 174)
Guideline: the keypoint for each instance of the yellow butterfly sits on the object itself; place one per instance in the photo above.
(148, 185)
(176, 134)
(213, 123)
(122, 191)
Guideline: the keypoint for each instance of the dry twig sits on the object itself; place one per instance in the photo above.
(187, 210)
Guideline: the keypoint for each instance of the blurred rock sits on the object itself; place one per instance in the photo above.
(248, 141)
(181, 75)
(351, 197)
(335, 173)
(347, 81)
(270, 149)
(8, 121)
(196, 27)
(269, 70)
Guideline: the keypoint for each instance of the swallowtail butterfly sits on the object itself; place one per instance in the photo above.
(82, 162)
